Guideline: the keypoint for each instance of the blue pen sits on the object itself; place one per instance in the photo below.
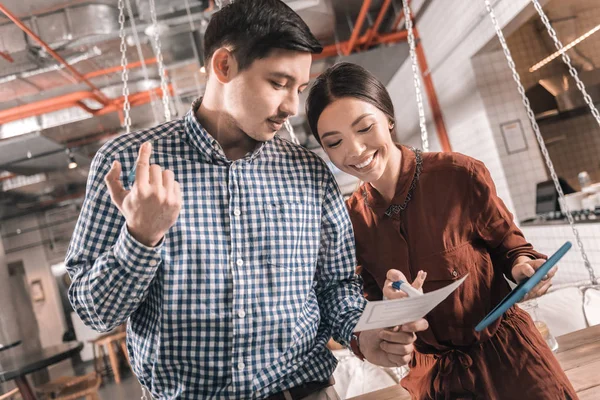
(131, 176)
(406, 288)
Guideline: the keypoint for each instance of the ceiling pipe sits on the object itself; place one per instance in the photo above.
(375, 29)
(103, 99)
(364, 9)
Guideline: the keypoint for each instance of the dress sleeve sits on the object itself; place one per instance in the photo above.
(494, 224)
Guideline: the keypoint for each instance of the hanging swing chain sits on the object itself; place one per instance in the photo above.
(416, 79)
(159, 58)
(140, 53)
(567, 60)
(124, 73)
(538, 135)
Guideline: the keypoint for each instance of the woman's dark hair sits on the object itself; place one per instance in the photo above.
(255, 27)
(346, 80)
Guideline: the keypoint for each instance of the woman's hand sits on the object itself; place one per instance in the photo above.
(393, 275)
(525, 267)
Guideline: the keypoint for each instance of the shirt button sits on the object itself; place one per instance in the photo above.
(153, 263)
(233, 167)
(455, 273)
(237, 212)
(240, 262)
(241, 366)
(241, 313)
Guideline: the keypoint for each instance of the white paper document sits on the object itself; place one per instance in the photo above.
(390, 313)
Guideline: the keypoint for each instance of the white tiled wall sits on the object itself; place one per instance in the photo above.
(503, 103)
(547, 239)
(452, 32)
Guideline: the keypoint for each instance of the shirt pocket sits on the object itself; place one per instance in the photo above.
(447, 266)
(293, 234)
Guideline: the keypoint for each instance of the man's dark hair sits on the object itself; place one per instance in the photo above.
(252, 28)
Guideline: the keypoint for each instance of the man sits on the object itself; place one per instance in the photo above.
(232, 255)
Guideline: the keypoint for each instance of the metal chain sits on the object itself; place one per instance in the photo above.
(416, 78)
(194, 47)
(124, 73)
(567, 60)
(140, 53)
(540, 139)
(159, 58)
(290, 130)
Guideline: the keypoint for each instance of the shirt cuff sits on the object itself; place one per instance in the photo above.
(140, 260)
(347, 332)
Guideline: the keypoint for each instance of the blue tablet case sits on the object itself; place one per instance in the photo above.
(523, 288)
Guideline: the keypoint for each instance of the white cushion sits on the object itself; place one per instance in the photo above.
(591, 305)
(354, 377)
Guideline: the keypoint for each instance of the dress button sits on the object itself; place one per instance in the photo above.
(455, 273)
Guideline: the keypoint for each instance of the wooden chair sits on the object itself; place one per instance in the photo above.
(11, 395)
(71, 387)
(109, 340)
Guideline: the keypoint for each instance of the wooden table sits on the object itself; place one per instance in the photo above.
(578, 354)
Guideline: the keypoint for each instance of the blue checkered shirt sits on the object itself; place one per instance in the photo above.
(240, 298)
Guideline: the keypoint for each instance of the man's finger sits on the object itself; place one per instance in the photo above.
(115, 187)
(156, 175)
(399, 361)
(397, 337)
(397, 349)
(168, 180)
(142, 169)
(416, 326)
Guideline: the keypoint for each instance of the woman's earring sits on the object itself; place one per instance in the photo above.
(391, 125)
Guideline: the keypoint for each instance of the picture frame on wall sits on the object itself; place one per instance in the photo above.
(37, 291)
(513, 136)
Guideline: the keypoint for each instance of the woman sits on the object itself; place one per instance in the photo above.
(436, 212)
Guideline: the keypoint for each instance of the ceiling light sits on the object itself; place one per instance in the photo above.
(565, 49)
(72, 161)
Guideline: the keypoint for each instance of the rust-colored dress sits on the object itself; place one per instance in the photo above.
(456, 224)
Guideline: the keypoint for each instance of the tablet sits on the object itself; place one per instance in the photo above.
(522, 288)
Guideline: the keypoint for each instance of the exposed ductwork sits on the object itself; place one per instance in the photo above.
(46, 108)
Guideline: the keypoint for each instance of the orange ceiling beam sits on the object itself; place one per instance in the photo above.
(80, 78)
